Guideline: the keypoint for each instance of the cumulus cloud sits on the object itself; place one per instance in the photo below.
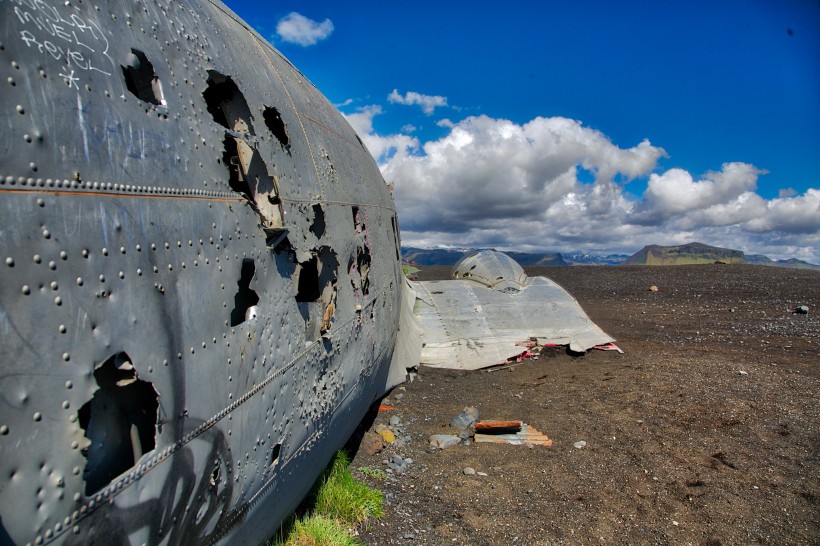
(295, 28)
(493, 182)
(428, 103)
(381, 147)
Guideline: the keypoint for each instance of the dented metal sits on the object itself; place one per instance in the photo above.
(200, 289)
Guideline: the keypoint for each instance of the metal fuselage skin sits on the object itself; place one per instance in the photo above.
(200, 276)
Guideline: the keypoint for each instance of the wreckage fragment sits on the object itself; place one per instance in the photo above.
(509, 432)
(478, 319)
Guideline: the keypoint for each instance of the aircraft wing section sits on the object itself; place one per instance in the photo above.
(466, 325)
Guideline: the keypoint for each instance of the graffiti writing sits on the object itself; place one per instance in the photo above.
(66, 37)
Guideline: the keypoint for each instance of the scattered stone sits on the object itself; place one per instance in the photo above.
(481, 473)
(372, 443)
(741, 372)
(802, 310)
(395, 420)
(462, 421)
(398, 464)
(409, 536)
(443, 441)
(387, 435)
(653, 288)
(579, 444)
(469, 471)
(473, 412)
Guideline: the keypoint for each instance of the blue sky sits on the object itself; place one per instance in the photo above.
(597, 126)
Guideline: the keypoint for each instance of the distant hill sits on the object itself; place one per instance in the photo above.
(593, 259)
(760, 259)
(698, 253)
(691, 253)
(447, 256)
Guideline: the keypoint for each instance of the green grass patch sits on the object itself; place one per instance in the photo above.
(343, 497)
(318, 530)
(376, 473)
(340, 503)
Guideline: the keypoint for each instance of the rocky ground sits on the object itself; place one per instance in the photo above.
(706, 431)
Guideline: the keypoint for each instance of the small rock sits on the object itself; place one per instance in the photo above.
(579, 444)
(409, 536)
(481, 473)
(399, 396)
(741, 372)
(472, 412)
(469, 471)
(387, 435)
(653, 288)
(802, 310)
(397, 459)
(443, 441)
(462, 420)
(395, 420)
(372, 443)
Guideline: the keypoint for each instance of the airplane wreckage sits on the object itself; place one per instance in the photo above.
(201, 290)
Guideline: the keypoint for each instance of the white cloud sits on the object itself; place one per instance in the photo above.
(493, 182)
(675, 191)
(298, 29)
(380, 147)
(428, 103)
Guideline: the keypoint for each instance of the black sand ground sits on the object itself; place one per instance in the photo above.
(706, 431)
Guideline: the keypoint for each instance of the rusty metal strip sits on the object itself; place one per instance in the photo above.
(527, 435)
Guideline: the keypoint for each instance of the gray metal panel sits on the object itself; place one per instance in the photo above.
(466, 325)
(122, 236)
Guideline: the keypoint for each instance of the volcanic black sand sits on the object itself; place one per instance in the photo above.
(706, 431)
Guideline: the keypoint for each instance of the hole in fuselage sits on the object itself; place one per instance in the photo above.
(119, 422)
(245, 299)
(227, 104)
(141, 80)
(274, 122)
(274, 457)
(318, 225)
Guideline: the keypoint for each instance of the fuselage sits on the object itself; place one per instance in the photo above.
(201, 280)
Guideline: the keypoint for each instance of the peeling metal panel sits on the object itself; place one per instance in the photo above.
(130, 229)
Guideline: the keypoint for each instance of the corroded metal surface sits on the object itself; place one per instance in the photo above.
(200, 279)
(504, 432)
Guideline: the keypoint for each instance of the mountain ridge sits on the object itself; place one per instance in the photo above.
(690, 253)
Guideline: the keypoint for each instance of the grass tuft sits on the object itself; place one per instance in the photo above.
(342, 497)
(371, 472)
(341, 503)
(318, 530)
